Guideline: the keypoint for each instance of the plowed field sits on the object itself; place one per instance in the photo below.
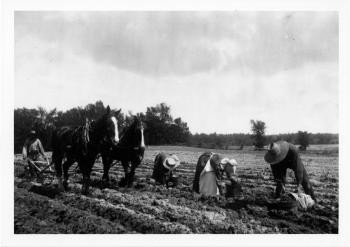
(150, 208)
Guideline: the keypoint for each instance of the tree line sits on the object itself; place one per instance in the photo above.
(239, 141)
(161, 128)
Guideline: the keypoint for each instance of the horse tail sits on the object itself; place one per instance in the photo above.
(54, 146)
(54, 140)
(50, 132)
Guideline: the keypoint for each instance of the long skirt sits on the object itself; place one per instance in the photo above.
(207, 184)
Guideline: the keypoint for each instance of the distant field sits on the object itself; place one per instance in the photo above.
(327, 147)
(148, 208)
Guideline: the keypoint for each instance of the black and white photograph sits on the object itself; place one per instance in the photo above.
(216, 122)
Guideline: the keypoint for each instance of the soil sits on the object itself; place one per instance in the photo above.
(149, 208)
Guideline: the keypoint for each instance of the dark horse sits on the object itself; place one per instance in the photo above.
(130, 149)
(82, 144)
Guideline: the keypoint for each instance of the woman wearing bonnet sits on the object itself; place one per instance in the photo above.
(210, 170)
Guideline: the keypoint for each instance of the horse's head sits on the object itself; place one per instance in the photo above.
(109, 127)
(140, 140)
(134, 135)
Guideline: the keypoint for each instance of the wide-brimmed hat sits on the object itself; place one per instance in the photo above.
(227, 161)
(277, 152)
(171, 162)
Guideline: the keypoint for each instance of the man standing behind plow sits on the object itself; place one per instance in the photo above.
(32, 149)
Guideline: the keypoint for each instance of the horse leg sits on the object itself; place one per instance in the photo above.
(66, 166)
(57, 160)
(86, 170)
(130, 180)
(106, 166)
(125, 180)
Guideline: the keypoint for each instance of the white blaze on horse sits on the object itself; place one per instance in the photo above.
(82, 144)
(129, 150)
(116, 132)
(142, 145)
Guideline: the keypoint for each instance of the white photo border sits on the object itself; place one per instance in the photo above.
(8, 238)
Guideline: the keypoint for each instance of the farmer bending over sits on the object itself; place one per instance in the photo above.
(164, 168)
(209, 173)
(32, 149)
(282, 155)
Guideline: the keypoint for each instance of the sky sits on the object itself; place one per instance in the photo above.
(217, 70)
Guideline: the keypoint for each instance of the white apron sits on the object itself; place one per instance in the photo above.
(207, 181)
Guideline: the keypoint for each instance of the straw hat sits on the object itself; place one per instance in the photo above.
(171, 162)
(277, 152)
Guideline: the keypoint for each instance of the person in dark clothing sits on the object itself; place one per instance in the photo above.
(282, 155)
(164, 169)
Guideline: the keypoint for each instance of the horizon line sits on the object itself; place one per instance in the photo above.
(192, 132)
